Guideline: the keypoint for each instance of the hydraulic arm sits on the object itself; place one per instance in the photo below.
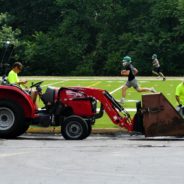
(115, 111)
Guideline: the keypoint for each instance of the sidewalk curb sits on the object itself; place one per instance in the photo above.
(56, 130)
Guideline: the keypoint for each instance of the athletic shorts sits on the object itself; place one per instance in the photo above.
(157, 69)
(133, 83)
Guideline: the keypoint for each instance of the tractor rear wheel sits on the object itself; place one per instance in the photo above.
(24, 128)
(11, 119)
(74, 128)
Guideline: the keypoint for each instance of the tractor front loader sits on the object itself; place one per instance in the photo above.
(155, 115)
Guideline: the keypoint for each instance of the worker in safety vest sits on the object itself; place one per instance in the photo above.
(13, 75)
(180, 97)
(14, 79)
(180, 93)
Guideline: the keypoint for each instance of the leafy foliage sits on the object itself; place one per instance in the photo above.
(66, 37)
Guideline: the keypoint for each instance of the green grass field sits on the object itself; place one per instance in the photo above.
(110, 84)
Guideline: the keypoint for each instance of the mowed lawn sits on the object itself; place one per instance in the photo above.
(113, 84)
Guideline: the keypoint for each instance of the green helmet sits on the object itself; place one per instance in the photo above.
(154, 56)
(127, 59)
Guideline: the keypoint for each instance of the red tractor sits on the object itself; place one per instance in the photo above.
(74, 109)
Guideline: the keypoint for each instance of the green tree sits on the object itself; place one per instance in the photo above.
(31, 16)
(67, 37)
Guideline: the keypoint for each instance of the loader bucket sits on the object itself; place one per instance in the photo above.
(159, 117)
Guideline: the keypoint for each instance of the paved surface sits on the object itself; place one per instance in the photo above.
(119, 159)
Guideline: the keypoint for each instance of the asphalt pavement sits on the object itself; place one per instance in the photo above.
(100, 159)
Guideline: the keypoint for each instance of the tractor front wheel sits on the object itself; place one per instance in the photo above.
(89, 126)
(74, 128)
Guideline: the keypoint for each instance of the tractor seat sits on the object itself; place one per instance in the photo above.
(4, 80)
(49, 95)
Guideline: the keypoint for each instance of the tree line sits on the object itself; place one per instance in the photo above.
(84, 37)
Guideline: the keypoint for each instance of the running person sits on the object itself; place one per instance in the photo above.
(156, 67)
(131, 71)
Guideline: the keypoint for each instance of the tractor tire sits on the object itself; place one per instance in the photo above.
(24, 128)
(74, 128)
(89, 129)
(11, 119)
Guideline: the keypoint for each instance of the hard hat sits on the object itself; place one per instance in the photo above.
(127, 59)
(154, 56)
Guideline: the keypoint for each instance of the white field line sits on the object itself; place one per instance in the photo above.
(145, 78)
(94, 84)
(131, 109)
(117, 89)
(59, 82)
(128, 109)
(3, 155)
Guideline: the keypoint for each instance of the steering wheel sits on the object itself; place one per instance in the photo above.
(37, 84)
